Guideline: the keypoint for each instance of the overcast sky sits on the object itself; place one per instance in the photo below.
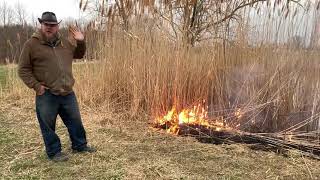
(62, 8)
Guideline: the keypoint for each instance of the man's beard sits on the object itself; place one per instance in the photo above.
(52, 38)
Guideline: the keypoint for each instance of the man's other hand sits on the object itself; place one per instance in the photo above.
(42, 90)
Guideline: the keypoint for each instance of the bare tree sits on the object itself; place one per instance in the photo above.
(105, 11)
(6, 14)
(195, 20)
(190, 21)
(20, 13)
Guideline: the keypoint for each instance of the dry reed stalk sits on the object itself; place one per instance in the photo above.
(143, 71)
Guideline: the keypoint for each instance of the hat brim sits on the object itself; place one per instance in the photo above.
(48, 22)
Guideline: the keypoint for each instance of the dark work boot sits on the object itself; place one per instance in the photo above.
(59, 157)
(85, 149)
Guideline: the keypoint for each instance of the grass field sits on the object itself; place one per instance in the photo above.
(129, 149)
(2, 76)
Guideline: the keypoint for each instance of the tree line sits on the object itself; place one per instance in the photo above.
(188, 22)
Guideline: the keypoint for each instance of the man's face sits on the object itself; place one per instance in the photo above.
(49, 30)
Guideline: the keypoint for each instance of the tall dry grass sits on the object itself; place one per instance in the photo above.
(144, 73)
(274, 87)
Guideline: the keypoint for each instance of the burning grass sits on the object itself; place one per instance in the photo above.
(197, 115)
(196, 123)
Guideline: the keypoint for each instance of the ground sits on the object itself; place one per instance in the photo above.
(129, 149)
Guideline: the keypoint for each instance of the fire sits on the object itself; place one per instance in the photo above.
(198, 115)
(238, 113)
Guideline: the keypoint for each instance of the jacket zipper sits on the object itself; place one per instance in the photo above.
(61, 68)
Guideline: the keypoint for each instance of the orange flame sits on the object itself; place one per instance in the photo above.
(198, 115)
(238, 114)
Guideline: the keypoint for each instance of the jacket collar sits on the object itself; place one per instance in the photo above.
(43, 40)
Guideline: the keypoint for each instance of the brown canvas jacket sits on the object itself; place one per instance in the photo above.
(49, 64)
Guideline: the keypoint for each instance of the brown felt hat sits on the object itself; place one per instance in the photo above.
(48, 18)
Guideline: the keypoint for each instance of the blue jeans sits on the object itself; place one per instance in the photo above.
(48, 106)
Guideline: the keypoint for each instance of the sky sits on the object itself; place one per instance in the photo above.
(62, 8)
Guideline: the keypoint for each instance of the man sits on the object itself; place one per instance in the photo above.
(46, 66)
